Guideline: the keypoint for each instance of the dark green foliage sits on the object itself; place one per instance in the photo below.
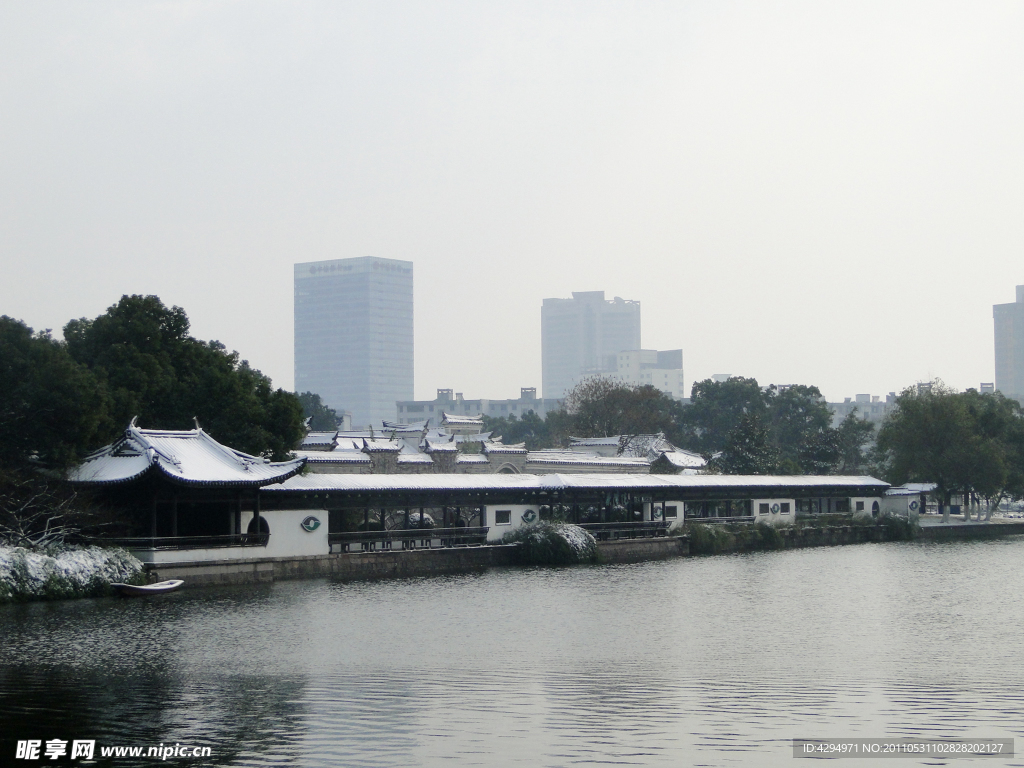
(749, 430)
(853, 435)
(530, 429)
(600, 407)
(154, 370)
(716, 410)
(552, 544)
(52, 409)
(748, 451)
(321, 418)
(766, 537)
(961, 441)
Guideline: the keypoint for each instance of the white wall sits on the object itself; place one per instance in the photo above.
(867, 502)
(774, 517)
(495, 531)
(900, 505)
(287, 539)
(287, 536)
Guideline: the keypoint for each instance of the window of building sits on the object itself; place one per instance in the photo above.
(842, 505)
(785, 508)
(503, 517)
(671, 513)
(762, 509)
(860, 506)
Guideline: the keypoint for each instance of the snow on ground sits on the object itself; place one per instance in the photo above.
(67, 572)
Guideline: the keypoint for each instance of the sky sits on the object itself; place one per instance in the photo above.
(801, 192)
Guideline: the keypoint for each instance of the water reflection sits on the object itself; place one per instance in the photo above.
(716, 661)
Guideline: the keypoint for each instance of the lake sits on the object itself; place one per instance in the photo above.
(717, 661)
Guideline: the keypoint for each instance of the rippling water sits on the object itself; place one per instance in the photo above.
(706, 661)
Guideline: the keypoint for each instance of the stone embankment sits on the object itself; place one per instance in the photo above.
(434, 562)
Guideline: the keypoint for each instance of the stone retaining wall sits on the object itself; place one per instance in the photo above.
(355, 565)
(432, 562)
(639, 550)
(969, 531)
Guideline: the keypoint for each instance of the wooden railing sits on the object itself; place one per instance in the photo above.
(415, 538)
(641, 530)
(187, 542)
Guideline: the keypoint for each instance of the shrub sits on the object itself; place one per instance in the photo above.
(552, 544)
(709, 539)
(898, 528)
(65, 572)
(766, 537)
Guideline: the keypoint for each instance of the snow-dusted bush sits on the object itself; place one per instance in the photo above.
(552, 544)
(65, 572)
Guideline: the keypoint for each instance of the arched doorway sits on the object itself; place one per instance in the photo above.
(264, 527)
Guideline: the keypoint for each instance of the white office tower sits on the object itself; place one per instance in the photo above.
(583, 336)
(354, 335)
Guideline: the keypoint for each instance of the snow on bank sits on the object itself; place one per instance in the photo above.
(66, 572)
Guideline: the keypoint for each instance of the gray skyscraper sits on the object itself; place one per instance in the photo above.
(354, 335)
(1009, 326)
(582, 336)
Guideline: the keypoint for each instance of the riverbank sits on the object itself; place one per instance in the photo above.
(696, 539)
(85, 573)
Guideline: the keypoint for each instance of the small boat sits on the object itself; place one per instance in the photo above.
(160, 588)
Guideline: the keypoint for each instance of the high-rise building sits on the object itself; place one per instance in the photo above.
(1009, 327)
(354, 335)
(583, 336)
(661, 369)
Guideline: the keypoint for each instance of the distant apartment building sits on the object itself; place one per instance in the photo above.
(454, 403)
(1009, 338)
(582, 337)
(660, 369)
(354, 334)
(870, 407)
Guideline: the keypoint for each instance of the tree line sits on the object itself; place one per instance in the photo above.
(737, 425)
(61, 399)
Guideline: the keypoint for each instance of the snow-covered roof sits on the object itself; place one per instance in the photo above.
(319, 438)
(413, 426)
(189, 457)
(452, 419)
(684, 459)
(472, 458)
(414, 458)
(441, 446)
(763, 485)
(333, 457)
(590, 441)
(574, 457)
(919, 487)
(518, 448)
(377, 445)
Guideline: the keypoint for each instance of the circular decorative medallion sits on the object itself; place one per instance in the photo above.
(310, 524)
(913, 506)
(529, 516)
(775, 508)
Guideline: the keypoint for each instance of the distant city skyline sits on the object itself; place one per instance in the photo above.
(821, 193)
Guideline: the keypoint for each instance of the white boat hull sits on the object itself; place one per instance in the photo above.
(160, 588)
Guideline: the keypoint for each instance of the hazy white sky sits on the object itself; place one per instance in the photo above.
(803, 192)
